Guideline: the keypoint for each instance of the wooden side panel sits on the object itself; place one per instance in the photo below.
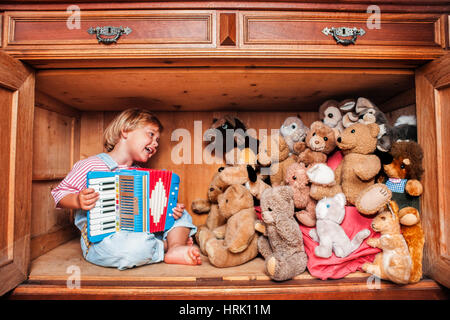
(433, 99)
(55, 130)
(56, 137)
(16, 123)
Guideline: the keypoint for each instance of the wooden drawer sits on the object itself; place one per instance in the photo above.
(150, 29)
(300, 29)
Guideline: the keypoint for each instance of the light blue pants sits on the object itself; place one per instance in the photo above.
(124, 249)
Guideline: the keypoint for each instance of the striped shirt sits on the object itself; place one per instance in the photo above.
(75, 181)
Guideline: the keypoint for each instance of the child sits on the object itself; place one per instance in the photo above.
(132, 137)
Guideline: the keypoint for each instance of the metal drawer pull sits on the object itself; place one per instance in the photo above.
(344, 32)
(114, 32)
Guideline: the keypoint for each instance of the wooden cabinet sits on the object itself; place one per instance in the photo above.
(190, 62)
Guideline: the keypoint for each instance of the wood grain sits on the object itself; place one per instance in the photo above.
(218, 89)
(432, 83)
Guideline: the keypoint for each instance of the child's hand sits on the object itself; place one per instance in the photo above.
(178, 211)
(87, 198)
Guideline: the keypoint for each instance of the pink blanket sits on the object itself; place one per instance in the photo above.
(334, 267)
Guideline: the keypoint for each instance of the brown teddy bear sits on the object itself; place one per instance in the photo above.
(234, 242)
(273, 154)
(297, 179)
(319, 142)
(282, 249)
(394, 263)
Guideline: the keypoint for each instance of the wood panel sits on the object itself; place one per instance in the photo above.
(416, 6)
(212, 89)
(432, 87)
(49, 277)
(45, 217)
(56, 144)
(149, 29)
(55, 130)
(16, 123)
(297, 29)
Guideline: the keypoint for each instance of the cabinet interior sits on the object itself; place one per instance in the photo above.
(73, 106)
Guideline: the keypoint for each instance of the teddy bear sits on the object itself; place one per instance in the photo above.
(273, 156)
(282, 244)
(331, 112)
(297, 179)
(359, 166)
(234, 242)
(356, 173)
(394, 263)
(293, 130)
(217, 186)
(330, 212)
(404, 169)
(319, 142)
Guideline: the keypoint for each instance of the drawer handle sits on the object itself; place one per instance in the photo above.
(114, 32)
(344, 32)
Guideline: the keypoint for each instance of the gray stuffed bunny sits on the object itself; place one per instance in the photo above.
(330, 213)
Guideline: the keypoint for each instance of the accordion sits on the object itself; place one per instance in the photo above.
(139, 200)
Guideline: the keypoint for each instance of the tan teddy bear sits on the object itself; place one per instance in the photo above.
(282, 244)
(319, 142)
(217, 186)
(359, 166)
(356, 172)
(234, 242)
(273, 152)
(297, 179)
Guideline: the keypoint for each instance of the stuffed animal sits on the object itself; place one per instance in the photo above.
(234, 242)
(331, 112)
(359, 166)
(273, 154)
(411, 229)
(216, 187)
(297, 179)
(245, 172)
(404, 170)
(319, 142)
(394, 263)
(330, 212)
(234, 134)
(293, 130)
(282, 249)
(323, 181)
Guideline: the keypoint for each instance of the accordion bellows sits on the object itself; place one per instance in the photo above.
(137, 200)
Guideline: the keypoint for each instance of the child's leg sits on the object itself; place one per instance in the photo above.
(125, 250)
(179, 249)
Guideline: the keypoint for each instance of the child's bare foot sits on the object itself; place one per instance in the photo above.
(180, 254)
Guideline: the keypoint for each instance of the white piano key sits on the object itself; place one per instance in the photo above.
(106, 180)
(103, 226)
(94, 217)
(105, 210)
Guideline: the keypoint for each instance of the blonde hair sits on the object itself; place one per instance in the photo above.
(127, 120)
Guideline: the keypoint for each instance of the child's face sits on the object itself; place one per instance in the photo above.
(143, 142)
